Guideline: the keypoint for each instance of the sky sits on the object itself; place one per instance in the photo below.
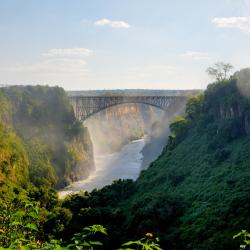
(121, 44)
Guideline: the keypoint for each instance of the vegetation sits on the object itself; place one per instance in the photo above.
(194, 196)
(43, 137)
(22, 229)
(245, 238)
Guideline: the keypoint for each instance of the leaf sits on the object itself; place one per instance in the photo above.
(33, 215)
(70, 245)
(129, 243)
(126, 248)
(31, 226)
(85, 243)
(96, 228)
(98, 243)
(16, 223)
(19, 214)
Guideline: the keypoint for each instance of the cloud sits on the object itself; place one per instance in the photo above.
(69, 52)
(242, 23)
(112, 24)
(196, 55)
(66, 61)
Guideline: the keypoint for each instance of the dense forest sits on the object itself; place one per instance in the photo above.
(41, 141)
(196, 195)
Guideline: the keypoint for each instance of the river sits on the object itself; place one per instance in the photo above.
(125, 164)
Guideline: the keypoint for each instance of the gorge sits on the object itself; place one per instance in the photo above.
(124, 125)
(194, 195)
(118, 125)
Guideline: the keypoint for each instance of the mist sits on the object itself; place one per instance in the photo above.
(113, 128)
(243, 82)
(158, 137)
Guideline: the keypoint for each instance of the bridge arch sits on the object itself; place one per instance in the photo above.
(86, 106)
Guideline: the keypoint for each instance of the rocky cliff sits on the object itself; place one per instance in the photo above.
(57, 148)
(112, 128)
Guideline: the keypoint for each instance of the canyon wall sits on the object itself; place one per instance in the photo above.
(114, 127)
(43, 140)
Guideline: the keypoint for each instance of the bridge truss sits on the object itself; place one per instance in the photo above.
(85, 106)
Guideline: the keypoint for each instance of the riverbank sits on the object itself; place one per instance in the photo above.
(125, 164)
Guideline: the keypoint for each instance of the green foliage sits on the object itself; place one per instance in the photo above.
(57, 220)
(56, 145)
(196, 194)
(13, 157)
(42, 171)
(21, 227)
(245, 236)
(143, 244)
(5, 110)
(87, 238)
(194, 107)
(179, 130)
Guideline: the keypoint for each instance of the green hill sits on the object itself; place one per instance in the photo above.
(41, 140)
(196, 195)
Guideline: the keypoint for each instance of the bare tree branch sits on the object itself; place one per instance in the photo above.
(220, 71)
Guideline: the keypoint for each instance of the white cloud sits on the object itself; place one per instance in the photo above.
(242, 23)
(113, 24)
(69, 52)
(196, 55)
(56, 66)
(64, 61)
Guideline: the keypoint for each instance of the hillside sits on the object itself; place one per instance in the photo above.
(41, 139)
(196, 194)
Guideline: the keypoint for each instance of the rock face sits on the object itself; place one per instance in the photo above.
(57, 147)
(229, 103)
(114, 127)
(83, 164)
(236, 112)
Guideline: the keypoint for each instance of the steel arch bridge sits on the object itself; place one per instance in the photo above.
(85, 106)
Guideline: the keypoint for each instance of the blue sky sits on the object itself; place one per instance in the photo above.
(110, 44)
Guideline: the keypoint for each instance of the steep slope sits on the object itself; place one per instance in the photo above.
(58, 148)
(196, 195)
(203, 174)
(13, 158)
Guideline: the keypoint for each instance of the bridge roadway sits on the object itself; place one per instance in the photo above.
(85, 106)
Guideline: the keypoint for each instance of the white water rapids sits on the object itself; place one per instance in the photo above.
(125, 164)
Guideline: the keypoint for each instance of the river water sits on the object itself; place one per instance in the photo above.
(125, 164)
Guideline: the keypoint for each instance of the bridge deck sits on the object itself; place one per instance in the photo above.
(85, 106)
